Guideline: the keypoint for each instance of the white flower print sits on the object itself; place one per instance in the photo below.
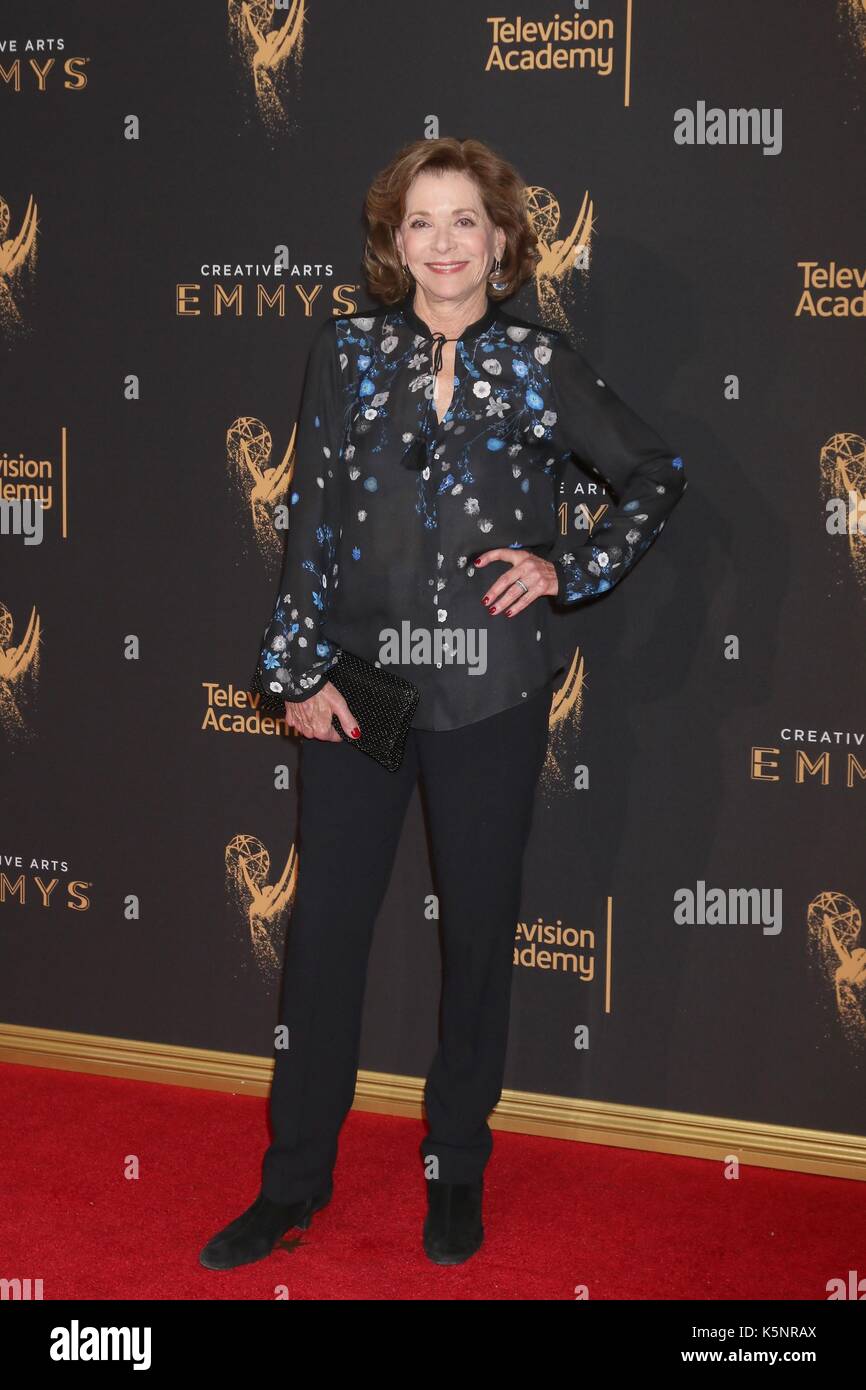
(485, 526)
(470, 506)
(364, 324)
(497, 406)
(542, 354)
(380, 398)
(481, 389)
(389, 344)
(492, 366)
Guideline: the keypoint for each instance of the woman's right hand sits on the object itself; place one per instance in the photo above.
(312, 718)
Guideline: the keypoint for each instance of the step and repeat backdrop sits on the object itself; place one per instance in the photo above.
(180, 208)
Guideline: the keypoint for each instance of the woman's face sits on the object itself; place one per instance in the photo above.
(446, 237)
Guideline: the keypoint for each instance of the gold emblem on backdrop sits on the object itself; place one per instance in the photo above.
(17, 660)
(17, 253)
(248, 868)
(265, 48)
(561, 255)
(853, 14)
(843, 476)
(566, 709)
(261, 484)
(835, 927)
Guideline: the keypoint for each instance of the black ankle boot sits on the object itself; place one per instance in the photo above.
(254, 1233)
(453, 1229)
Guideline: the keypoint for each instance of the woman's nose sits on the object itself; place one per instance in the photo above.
(443, 240)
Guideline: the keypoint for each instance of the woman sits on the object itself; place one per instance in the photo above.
(433, 435)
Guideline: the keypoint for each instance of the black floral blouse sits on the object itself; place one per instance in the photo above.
(389, 507)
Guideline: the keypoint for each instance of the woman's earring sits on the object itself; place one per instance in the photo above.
(496, 280)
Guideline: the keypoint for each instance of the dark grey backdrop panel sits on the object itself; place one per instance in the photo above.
(110, 770)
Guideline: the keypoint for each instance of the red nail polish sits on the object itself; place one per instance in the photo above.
(492, 610)
(356, 732)
(485, 600)
(508, 612)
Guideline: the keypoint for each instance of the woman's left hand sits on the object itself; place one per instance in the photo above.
(539, 576)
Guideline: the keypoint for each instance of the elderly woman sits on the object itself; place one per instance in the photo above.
(433, 438)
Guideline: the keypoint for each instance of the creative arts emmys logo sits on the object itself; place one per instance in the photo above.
(835, 925)
(843, 483)
(248, 867)
(267, 34)
(260, 482)
(17, 254)
(17, 661)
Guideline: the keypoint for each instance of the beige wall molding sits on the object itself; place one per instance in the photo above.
(561, 1117)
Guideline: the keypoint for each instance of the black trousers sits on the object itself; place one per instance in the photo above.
(479, 782)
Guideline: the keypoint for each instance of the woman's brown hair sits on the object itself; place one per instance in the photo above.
(502, 193)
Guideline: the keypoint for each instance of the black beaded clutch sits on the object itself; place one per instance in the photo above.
(383, 704)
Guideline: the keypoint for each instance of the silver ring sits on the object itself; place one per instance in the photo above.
(524, 587)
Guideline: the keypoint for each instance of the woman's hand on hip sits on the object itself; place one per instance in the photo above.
(505, 593)
(312, 718)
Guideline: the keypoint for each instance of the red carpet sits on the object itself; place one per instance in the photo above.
(557, 1214)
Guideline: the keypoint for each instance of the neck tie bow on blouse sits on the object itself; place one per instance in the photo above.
(416, 453)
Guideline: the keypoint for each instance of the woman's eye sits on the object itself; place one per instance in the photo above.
(419, 222)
